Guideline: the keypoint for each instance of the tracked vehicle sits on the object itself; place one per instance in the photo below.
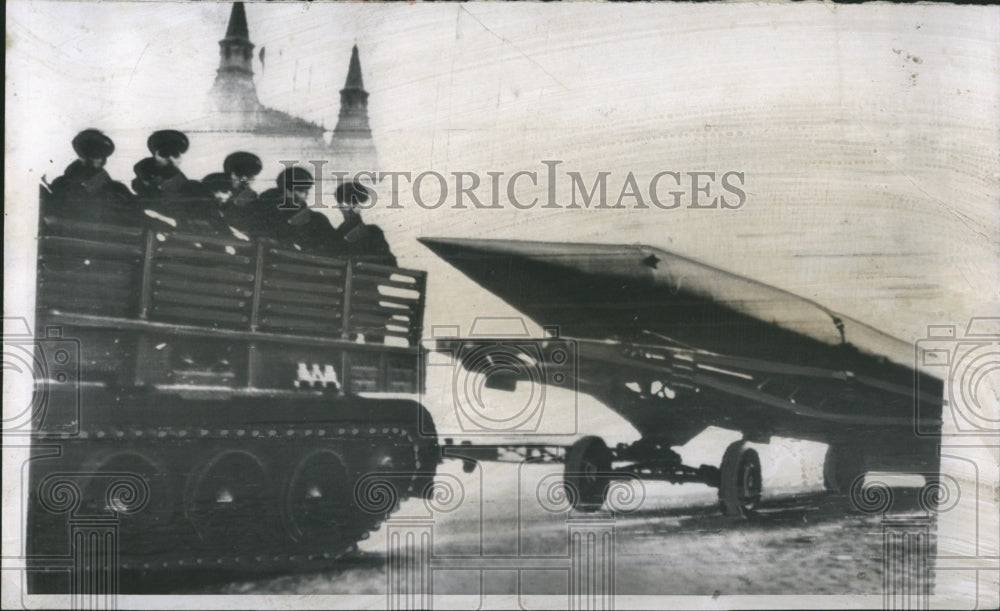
(204, 402)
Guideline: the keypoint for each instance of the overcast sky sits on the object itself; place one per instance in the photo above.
(868, 135)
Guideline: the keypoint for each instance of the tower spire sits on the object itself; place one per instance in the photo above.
(352, 138)
(238, 23)
(234, 90)
(353, 119)
(354, 80)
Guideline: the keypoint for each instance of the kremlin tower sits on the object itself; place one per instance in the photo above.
(352, 144)
(236, 120)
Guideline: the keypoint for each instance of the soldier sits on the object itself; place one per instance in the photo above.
(201, 212)
(163, 189)
(219, 188)
(242, 168)
(355, 237)
(85, 190)
(283, 213)
(238, 209)
(161, 173)
(223, 216)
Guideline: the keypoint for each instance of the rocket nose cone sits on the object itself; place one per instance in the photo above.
(558, 253)
(448, 248)
(433, 243)
(442, 247)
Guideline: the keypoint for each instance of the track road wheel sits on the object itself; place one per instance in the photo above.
(841, 467)
(739, 481)
(587, 474)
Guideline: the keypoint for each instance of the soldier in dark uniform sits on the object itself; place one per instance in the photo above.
(356, 238)
(219, 188)
(161, 173)
(201, 210)
(239, 209)
(221, 215)
(242, 168)
(85, 190)
(362, 242)
(162, 187)
(283, 214)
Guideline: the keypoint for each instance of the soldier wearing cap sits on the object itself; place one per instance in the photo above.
(86, 190)
(219, 187)
(283, 213)
(241, 168)
(355, 237)
(220, 215)
(237, 209)
(164, 191)
(161, 174)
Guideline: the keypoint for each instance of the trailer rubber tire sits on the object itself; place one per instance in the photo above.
(587, 473)
(739, 480)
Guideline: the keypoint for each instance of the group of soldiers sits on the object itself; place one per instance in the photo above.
(222, 203)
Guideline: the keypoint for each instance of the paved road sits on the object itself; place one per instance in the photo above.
(672, 541)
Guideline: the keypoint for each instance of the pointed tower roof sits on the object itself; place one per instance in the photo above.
(352, 144)
(354, 80)
(238, 23)
(233, 98)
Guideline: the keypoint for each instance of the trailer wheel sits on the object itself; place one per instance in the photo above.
(740, 480)
(587, 473)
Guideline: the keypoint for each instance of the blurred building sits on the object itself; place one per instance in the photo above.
(236, 120)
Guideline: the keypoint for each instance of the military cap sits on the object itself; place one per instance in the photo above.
(168, 142)
(92, 144)
(217, 181)
(145, 168)
(242, 164)
(295, 177)
(353, 192)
